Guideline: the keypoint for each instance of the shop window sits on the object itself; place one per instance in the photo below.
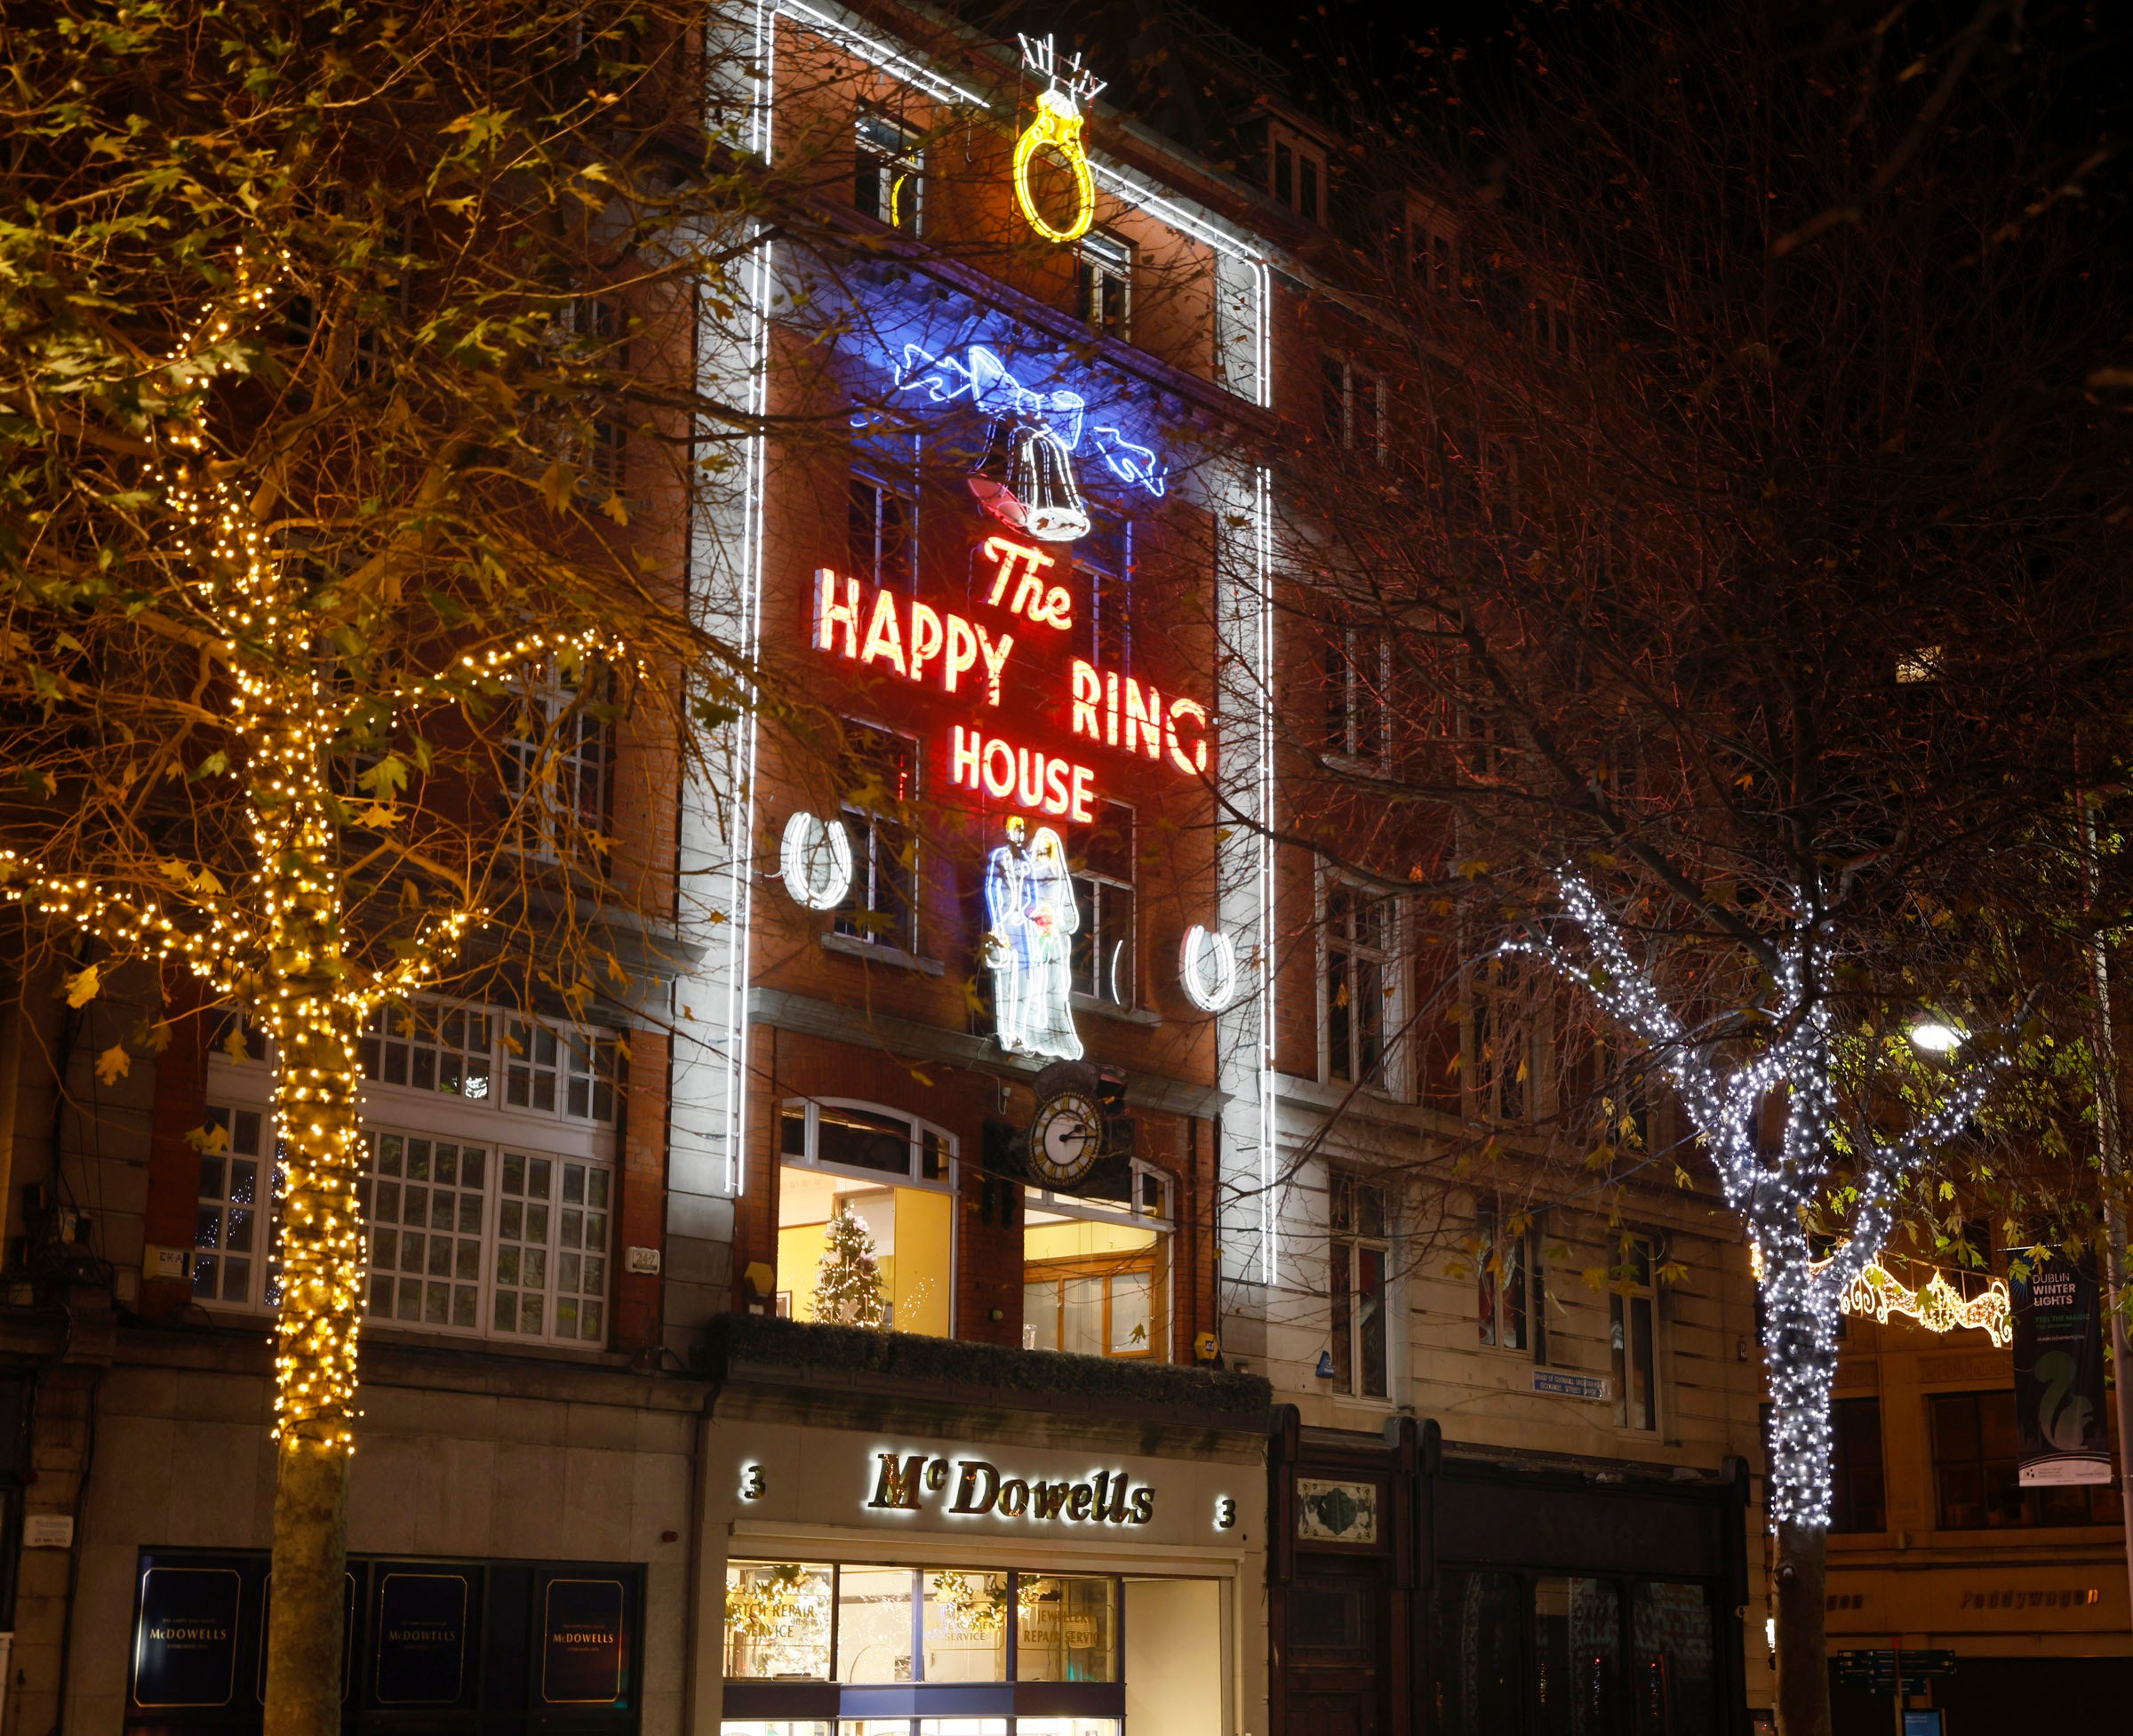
(1066, 1628)
(895, 1175)
(1095, 1266)
(882, 533)
(1500, 1040)
(1355, 678)
(1360, 1252)
(873, 1624)
(1106, 284)
(1103, 888)
(889, 181)
(1480, 1684)
(1507, 1277)
(1856, 1464)
(231, 1230)
(558, 755)
(1358, 984)
(1576, 1656)
(1676, 1691)
(777, 1621)
(881, 906)
(1633, 1311)
(965, 1626)
(1977, 1483)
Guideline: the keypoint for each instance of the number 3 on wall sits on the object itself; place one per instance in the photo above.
(751, 1482)
(1225, 1513)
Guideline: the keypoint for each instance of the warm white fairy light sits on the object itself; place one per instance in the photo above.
(273, 943)
(1774, 1192)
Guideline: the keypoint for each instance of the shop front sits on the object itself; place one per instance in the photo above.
(896, 1552)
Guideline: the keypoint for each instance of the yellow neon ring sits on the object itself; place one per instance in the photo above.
(1057, 122)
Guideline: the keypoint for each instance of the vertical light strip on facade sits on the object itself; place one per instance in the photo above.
(898, 66)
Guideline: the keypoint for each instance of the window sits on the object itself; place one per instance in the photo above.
(1362, 1249)
(895, 1175)
(1357, 679)
(1102, 564)
(451, 1051)
(890, 171)
(570, 1070)
(557, 761)
(1358, 984)
(1500, 1017)
(1352, 405)
(1676, 1684)
(1508, 1278)
(429, 1047)
(1856, 1469)
(882, 904)
(1298, 174)
(1479, 1674)
(1106, 284)
(1977, 1484)
(231, 1233)
(882, 525)
(1577, 1655)
(1433, 251)
(1095, 1264)
(1104, 957)
(600, 326)
(1632, 1312)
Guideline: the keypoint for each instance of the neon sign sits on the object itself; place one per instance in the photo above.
(815, 860)
(1058, 125)
(1030, 906)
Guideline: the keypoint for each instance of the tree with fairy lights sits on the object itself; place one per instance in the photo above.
(848, 1278)
(1700, 577)
(365, 367)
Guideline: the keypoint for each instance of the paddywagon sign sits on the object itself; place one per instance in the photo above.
(977, 1488)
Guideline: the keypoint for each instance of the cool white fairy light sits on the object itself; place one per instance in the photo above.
(1802, 1296)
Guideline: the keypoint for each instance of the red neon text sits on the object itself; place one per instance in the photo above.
(906, 634)
(1045, 608)
(1148, 726)
(1031, 781)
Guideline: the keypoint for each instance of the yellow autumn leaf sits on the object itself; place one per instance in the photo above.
(114, 1064)
(81, 988)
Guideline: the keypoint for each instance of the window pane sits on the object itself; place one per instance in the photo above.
(1040, 1316)
(1082, 1330)
(1064, 1629)
(1341, 1337)
(863, 1140)
(1577, 1648)
(1371, 1322)
(1132, 1313)
(966, 1627)
(1479, 1681)
(1675, 1693)
(873, 1624)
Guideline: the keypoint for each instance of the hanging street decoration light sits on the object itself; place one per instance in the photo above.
(1058, 124)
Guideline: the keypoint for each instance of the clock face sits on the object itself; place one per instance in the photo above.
(1066, 1138)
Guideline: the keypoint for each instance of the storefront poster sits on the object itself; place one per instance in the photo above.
(185, 1645)
(582, 1643)
(2059, 1371)
(421, 1638)
(1331, 1512)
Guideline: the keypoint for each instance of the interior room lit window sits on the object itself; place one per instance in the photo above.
(1361, 1254)
(778, 1621)
(1103, 961)
(1106, 284)
(1358, 984)
(1096, 1263)
(882, 904)
(895, 1175)
(881, 533)
(1507, 1279)
(1633, 1313)
(890, 181)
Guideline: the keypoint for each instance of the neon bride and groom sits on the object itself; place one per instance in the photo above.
(1031, 914)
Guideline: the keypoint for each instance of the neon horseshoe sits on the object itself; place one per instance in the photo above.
(1057, 122)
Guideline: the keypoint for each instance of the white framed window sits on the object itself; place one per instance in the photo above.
(1633, 1328)
(558, 755)
(1105, 283)
(1359, 1223)
(1354, 404)
(1103, 954)
(889, 181)
(445, 1049)
(1096, 1266)
(1297, 176)
(880, 905)
(1356, 674)
(1432, 251)
(1499, 1040)
(599, 327)
(1103, 567)
(233, 1233)
(1359, 985)
(849, 1137)
(1508, 1283)
(882, 531)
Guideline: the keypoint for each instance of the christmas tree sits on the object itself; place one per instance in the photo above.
(848, 1283)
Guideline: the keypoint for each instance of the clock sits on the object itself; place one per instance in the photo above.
(1066, 1138)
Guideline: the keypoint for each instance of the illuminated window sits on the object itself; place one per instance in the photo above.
(1361, 1251)
(882, 533)
(232, 1229)
(881, 905)
(1633, 1311)
(897, 1175)
(1096, 1263)
(777, 1619)
(1358, 984)
(1508, 1283)
(428, 1046)
(1356, 681)
(558, 754)
(1499, 1062)
(891, 178)
(1106, 284)
(1103, 888)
